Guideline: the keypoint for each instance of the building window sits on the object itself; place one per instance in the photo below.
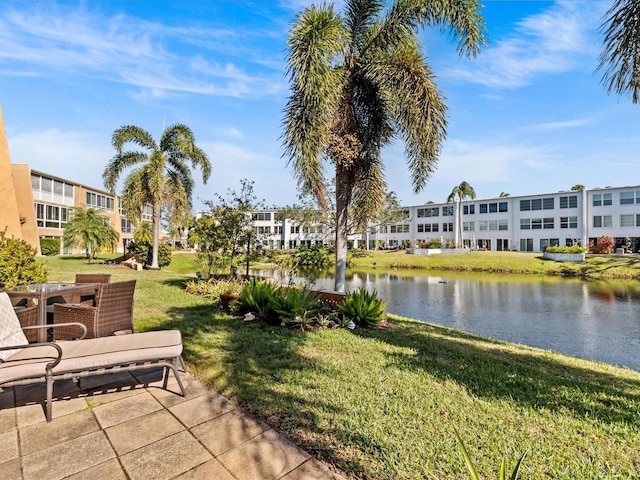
(525, 224)
(277, 229)
(482, 226)
(483, 208)
(629, 198)
(503, 225)
(568, 222)
(468, 226)
(602, 221)
(126, 225)
(536, 224)
(536, 204)
(526, 244)
(295, 229)
(262, 216)
(570, 201)
(548, 203)
(503, 207)
(447, 210)
(447, 227)
(469, 209)
(630, 220)
(525, 205)
(429, 212)
(548, 223)
(602, 199)
(99, 202)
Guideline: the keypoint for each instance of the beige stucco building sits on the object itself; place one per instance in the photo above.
(37, 204)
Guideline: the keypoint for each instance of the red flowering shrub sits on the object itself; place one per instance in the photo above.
(603, 245)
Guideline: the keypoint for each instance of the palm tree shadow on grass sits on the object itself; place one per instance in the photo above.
(487, 369)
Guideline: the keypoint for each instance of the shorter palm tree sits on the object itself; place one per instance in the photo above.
(90, 231)
(459, 194)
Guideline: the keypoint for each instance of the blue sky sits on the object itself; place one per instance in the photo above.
(528, 115)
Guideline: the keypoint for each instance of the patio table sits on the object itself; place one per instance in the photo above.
(39, 293)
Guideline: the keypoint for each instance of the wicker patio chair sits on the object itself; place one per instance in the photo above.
(89, 278)
(113, 312)
(28, 317)
(93, 277)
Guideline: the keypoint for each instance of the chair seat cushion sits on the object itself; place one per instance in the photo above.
(93, 353)
(10, 330)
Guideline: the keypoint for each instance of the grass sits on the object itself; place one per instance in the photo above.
(595, 266)
(384, 404)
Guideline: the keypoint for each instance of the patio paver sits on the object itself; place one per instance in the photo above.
(127, 427)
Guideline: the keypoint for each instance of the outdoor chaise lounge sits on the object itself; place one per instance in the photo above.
(22, 363)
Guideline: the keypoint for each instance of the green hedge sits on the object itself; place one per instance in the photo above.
(573, 249)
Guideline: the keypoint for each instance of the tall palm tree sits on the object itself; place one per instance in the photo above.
(620, 58)
(359, 80)
(459, 194)
(163, 177)
(90, 231)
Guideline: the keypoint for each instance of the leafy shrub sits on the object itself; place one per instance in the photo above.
(573, 249)
(18, 265)
(50, 246)
(363, 308)
(294, 304)
(603, 245)
(316, 256)
(255, 296)
(145, 251)
(433, 243)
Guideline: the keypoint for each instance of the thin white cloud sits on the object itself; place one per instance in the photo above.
(574, 123)
(153, 57)
(554, 41)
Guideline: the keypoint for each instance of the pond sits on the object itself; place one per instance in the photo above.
(594, 320)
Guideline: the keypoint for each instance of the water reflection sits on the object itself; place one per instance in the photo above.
(596, 320)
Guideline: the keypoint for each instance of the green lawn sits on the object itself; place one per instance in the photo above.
(383, 404)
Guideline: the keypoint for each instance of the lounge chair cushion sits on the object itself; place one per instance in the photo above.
(93, 353)
(10, 330)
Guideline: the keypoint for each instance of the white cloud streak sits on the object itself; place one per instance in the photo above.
(127, 50)
(555, 41)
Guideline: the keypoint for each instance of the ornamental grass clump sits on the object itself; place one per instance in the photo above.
(502, 473)
(255, 296)
(364, 308)
(295, 306)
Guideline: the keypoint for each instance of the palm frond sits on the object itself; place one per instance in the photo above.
(620, 58)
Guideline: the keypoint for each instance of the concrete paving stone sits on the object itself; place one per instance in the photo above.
(126, 409)
(99, 397)
(32, 414)
(312, 469)
(10, 470)
(227, 431)
(212, 470)
(8, 446)
(142, 431)
(266, 457)
(40, 436)
(64, 459)
(200, 409)
(109, 470)
(37, 392)
(8, 420)
(7, 398)
(166, 458)
(172, 396)
(109, 379)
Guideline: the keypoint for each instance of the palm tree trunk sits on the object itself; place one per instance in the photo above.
(342, 203)
(157, 217)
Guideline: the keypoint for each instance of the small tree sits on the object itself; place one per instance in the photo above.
(90, 231)
(18, 265)
(50, 246)
(229, 228)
